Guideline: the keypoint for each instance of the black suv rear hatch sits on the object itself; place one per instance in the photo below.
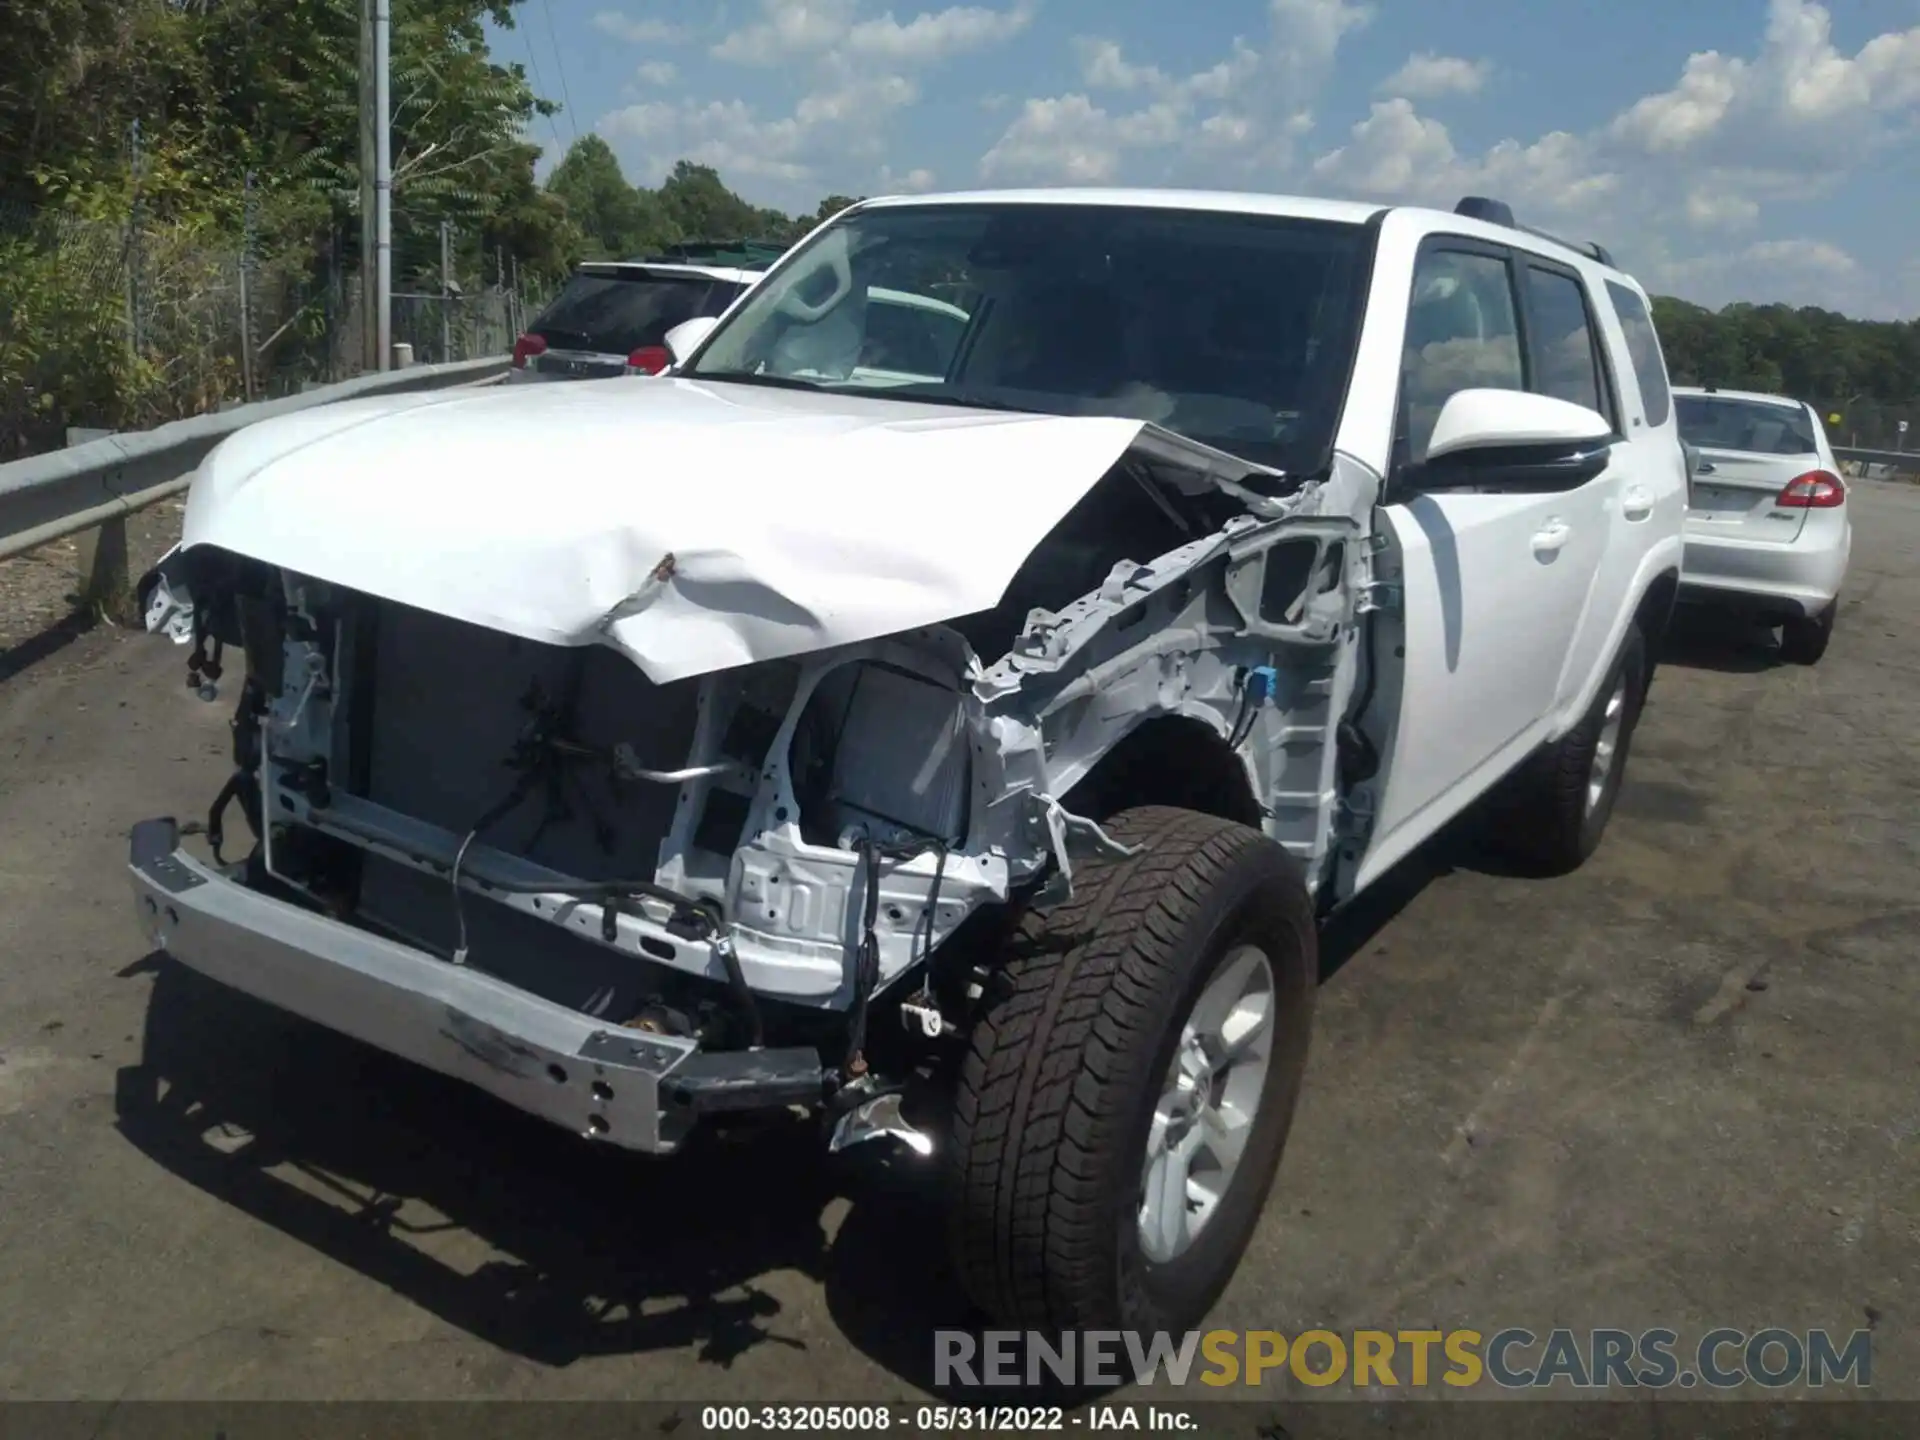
(606, 312)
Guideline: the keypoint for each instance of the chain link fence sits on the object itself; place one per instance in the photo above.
(126, 323)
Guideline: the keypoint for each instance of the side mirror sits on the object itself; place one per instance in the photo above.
(683, 339)
(1513, 440)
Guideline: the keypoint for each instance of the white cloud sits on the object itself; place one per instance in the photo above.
(786, 30)
(1104, 67)
(1427, 76)
(854, 70)
(726, 134)
(1070, 140)
(1799, 98)
(1397, 153)
(1718, 209)
(1677, 118)
(1794, 271)
(937, 35)
(1734, 139)
(913, 182)
(646, 31)
(1240, 117)
(791, 29)
(1691, 185)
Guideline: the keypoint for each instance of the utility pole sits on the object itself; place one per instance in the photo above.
(376, 183)
(246, 307)
(446, 292)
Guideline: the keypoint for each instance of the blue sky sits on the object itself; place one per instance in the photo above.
(1725, 149)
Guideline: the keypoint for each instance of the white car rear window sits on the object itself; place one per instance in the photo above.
(1757, 427)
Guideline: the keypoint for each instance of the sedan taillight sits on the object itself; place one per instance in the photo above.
(649, 360)
(1815, 490)
(526, 347)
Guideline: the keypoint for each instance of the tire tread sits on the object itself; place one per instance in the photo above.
(1061, 1022)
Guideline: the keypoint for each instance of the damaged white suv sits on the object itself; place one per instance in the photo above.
(958, 735)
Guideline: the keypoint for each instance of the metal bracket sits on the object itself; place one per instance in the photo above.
(921, 1014)
(1357, 815)
(879, 1119)
(1382, 596)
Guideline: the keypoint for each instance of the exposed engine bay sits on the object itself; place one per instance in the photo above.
(769, 853)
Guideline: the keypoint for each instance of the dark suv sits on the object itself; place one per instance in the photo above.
(612, 316)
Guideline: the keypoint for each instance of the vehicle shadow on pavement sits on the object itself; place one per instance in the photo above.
(37, 647)
(1700, 639)
(395, 1172)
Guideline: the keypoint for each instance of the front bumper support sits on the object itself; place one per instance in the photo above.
(631, 1088)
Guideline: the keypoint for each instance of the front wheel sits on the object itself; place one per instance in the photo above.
(1131, 1079)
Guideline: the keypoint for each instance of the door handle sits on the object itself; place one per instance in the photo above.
(1636, 504)
(1550, 537)
(1705, 467)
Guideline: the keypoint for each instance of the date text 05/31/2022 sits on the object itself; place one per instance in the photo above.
(940, 1419)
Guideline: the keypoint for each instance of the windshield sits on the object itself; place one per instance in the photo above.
(620, 312)
(1235, 330)
(1758, 427)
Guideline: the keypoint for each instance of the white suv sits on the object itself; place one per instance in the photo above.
(964, 748)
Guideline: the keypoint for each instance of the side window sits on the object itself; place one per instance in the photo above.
(1463, 333)
(1643, 348)
(1560, 337)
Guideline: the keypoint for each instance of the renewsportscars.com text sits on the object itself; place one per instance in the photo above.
(1511, 1359)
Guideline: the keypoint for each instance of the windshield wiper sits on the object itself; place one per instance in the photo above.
(751, 377)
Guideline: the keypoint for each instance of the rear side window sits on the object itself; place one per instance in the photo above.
(1714, 422)
(618, 314)
(1643, 348)
(1560, 335)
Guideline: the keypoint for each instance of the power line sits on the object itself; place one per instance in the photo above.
(566, 94)
(540, 85)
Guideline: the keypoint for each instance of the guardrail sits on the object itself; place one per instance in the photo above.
(1901, 462)
(95, 486)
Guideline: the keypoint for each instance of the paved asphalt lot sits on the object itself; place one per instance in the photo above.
(1681, 1088)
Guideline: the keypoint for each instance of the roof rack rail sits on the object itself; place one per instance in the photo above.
(1498, 212)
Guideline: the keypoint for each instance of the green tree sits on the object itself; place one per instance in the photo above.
(1868, 372)
(615, 219)
(702, 208)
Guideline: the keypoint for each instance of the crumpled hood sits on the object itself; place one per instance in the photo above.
(692, 526)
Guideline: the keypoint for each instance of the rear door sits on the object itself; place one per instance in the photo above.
(1748, 450)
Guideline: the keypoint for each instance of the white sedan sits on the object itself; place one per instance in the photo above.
(1767, 526)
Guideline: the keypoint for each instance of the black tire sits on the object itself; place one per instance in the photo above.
(1540, 817)
(1076, 1030)
(1804, 640)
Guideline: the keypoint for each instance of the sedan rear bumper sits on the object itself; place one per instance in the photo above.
(634, 1089)
(1801, 578)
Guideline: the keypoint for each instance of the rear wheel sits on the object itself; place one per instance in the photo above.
(1803, 639)
(1549, 815)
(1131, 1079)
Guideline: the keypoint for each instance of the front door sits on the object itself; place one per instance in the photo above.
(1493, 584)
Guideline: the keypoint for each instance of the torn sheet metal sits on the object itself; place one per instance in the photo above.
(692, 526)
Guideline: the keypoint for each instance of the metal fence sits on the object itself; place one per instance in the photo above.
(127, 323)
